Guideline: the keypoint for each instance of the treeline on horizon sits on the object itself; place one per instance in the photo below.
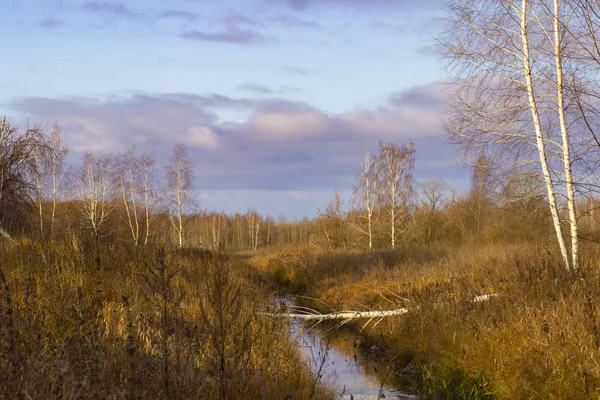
(130, 198)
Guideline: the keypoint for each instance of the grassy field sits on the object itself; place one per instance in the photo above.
(539, 338)
(133, 322)
(139, 323)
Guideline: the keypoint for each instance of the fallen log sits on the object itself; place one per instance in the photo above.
(361, 314)
(341, 314)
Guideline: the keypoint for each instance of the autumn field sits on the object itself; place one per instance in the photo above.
(214, 234)
(538, 338)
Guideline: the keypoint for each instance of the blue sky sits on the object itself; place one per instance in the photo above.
(277, 100)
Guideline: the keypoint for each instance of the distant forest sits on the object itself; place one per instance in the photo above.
(131, 198)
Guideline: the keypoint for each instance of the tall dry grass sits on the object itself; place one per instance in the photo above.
(137, 323)
(540, 338)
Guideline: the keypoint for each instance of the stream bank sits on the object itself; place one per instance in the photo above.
(338, 360)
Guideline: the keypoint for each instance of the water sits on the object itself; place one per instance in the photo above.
(336, 357)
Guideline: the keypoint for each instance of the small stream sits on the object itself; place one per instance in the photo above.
(335, 355)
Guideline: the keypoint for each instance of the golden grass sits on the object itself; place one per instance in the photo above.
(539, 339)
(154, 324)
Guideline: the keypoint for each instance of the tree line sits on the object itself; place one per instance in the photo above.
(131, 198)
(94, 195)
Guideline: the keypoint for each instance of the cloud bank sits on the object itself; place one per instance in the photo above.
(282, 145)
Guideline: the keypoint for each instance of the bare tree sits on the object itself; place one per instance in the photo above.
(254, 223)
(18, 171)
(54, 172)
(432, 195)
(135, 177)
(180, 176)
(365, 193)
(49, 158)
(395, 164)
(337, 218)
(483, 185)
(126, 176)
(218, 223)
(148, 176)
(93, 185)
(516, 86)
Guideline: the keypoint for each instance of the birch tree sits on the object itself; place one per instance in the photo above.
(147, 166)
(254, 223)
(126, 176)
(511, 61)
(54, 172)
(135, 178)
(365, 194)
(94, 187)
(395, 164)
(218, 222)
(180, 176)
(49, 158)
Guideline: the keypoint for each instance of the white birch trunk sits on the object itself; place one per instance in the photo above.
(565, 142)
(540, 139)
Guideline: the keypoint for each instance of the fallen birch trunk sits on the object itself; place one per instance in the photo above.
(341, 314)
(362, 314)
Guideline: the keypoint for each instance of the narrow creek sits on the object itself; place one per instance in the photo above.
(336, 357)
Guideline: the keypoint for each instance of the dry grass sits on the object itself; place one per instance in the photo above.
(539, 339)
(152, 323)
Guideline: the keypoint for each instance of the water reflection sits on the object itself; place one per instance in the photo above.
(335, 356)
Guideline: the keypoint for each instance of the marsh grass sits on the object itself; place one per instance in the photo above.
(540, 338)
(158, 323)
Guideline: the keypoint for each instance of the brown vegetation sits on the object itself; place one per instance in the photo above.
(538, 339)
(159, 323)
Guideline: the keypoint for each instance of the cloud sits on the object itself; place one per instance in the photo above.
(287, 125)
(251, 87)
(201, 137)
(363, 4)
(233, 27)
(421, 96)
(261, 89)
(228, 35)
(283, 145)
(178, 14)
(237, 20)
(50, 23)
(114, 8)
(400, 29)
(290, 69)
(294, 22)
(112, 125)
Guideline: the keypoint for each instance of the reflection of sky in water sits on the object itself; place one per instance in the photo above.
(342, 366)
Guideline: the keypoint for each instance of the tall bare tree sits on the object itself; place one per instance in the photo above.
(516, 67)
(93, 185)
(395, 164)
(180, 176)
(254, 223)
(126, 176)
(18, 171)
(135, 177)
(148, 176)
(54, 172)
(432, 195)
(365, 194)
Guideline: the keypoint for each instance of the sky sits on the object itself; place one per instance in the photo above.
(276, 100)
